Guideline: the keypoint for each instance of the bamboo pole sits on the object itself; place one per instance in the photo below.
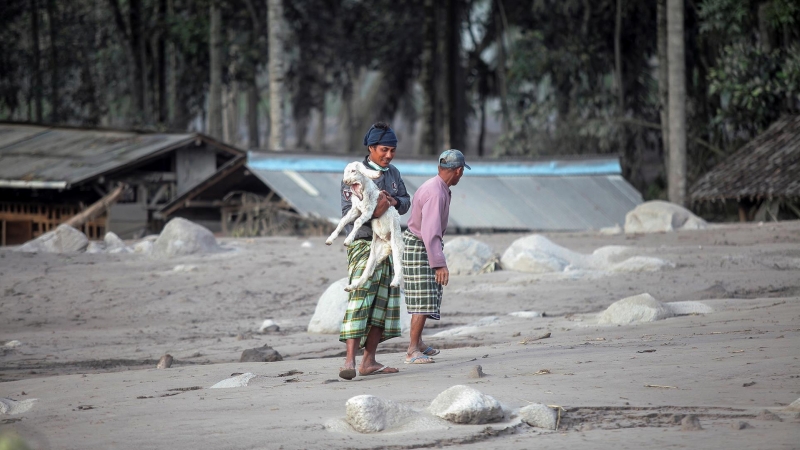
(97, 208)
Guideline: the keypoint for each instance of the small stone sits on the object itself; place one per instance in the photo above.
(690, 423)
(185, 268)
(740, 425)
(476, 372)
(261, 354)
(165, 362)
(794, 406)
(240, 380)
(463, 404)
(12, 344)
(676, 418)
(539, 415)
(268, 326)
(370, 414)
(768, 415)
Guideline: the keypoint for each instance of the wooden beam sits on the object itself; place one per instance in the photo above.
(157, 196)
(97, 208)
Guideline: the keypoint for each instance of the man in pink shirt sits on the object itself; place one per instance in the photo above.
(424, 265)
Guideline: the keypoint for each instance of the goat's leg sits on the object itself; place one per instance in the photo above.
(362, 219)
(349, 217)
(369, 269)
(396, 241)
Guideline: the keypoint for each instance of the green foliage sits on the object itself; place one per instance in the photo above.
(755, 87)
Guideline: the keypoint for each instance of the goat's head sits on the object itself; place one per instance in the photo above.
(355, 175)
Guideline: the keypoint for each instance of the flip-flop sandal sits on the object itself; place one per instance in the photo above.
(419, 360)
(430, 351)
(376, 372)
(347, 374)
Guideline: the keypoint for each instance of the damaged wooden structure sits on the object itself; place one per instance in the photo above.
(51, 174)
(762, 177)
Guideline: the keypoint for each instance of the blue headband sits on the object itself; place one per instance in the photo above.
(380, 136)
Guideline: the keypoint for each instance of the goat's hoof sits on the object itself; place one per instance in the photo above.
(349, 288)
(394, 284)
(329, 242)
(347, 242)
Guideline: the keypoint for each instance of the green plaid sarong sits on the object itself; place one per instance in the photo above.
(423, 293)
(374, 304)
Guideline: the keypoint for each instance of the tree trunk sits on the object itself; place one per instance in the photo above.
(677, 102)
(55, 104)
(172, 80)
(456, 102)
(140, 59)
(161, 62)
(37, 72)
(482, 132)
(275, 23)
(428, 76)
(663, 77)
(618, 59)
(319, 133)
(252, 111)
(231, 113)
(215, 77)
(502, 87)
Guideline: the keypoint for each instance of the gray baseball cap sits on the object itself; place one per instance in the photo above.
(452, 159)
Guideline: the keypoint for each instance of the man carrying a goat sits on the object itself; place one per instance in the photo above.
(373, 310)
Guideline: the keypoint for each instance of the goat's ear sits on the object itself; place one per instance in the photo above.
(369, 173)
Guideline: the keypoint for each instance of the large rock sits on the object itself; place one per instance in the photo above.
(467, 256)
(639, 308)
(659, 216)
(332, 305)
(463, 404)
(538, 415)
(64, 239)
(113, 241)
(537, 254)
(370, 414)
(183, 237)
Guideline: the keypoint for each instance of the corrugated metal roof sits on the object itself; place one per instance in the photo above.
(494, 195)
(36, 156)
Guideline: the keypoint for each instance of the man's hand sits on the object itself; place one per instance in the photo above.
(442, 275)
(385, 201)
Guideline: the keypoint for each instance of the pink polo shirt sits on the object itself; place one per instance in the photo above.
(430, 210)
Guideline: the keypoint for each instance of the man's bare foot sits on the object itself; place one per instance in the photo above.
(377, 369)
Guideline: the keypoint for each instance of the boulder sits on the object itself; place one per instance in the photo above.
(537, 254)
(240, 380)
(268, 326)
(659, 216)
(639, 308)
(463, 404)
(525, 314)
(476, 372)
(370, 414)
(611, 231)
(794, 406)
(332, 305)
(165, 362)
(64, 239)
(766, 414)
(467, 256)
(264, 353)
(183, 237)
(538, 415)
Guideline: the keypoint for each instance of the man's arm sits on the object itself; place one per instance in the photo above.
(431, 230)
(402, 197)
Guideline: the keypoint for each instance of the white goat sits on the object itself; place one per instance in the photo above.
(386, 237)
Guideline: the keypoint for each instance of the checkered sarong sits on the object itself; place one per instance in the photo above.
(423, 293)
(374, 304)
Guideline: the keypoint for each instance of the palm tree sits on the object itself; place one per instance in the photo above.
(277, 73)
(677, 102)
(215, 63)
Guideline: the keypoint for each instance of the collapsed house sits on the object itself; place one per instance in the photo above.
(50, 174)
